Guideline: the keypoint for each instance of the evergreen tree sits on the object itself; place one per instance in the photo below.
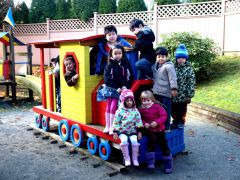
(107, 6)
(84, 9)
(62, 9)
(42, 9)
(21, 13)
(131, 6)
(165, 2)
(196, 1)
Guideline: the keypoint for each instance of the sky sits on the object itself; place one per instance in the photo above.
(28, 2)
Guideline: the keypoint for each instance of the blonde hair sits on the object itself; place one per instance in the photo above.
(148, 95)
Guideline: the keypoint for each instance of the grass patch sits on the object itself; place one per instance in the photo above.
(222, 90)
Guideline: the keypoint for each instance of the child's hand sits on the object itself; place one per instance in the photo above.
(75, 77)
(119, 90)
(153, 124)
(188, 100)
(146, 125)
(115, 136)
(174, 92)
(139, 136)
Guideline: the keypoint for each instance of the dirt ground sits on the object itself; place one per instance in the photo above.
(213, 153)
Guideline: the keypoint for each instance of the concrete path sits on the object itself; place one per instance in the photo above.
(213, 153)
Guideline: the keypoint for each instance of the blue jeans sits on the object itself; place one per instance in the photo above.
(166, 101)
(144, 68)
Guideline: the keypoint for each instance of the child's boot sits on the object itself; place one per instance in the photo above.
(150, 159)
(135, 149)
(124, 149)
(107, 119)
(168, 164)
(110, 124)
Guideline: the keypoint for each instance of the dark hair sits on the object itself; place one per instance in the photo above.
(162, 51)
(117, 46)
(125, 104)
(135, 23)
(110, 28)
(55, 60)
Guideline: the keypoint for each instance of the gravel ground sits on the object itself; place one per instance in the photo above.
(213, 153)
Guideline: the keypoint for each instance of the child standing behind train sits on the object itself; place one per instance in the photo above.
(144, 44)
(117, 75)
(164, 81)
(70, 75)
(153, 118)
(186, 83)
(111, 38)
(127, 124)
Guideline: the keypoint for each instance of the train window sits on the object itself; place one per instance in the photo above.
(71, 69)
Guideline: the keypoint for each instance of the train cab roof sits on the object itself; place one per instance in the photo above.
(87, 41)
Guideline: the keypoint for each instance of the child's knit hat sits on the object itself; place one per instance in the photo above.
(181, 52)
(125, 94)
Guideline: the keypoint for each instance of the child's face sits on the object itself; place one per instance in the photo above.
(146, 102)
(117, 54)
(136, 30)
(129, 102)
(69, 65)
(161, 58)
(181, 61)
(111, 37)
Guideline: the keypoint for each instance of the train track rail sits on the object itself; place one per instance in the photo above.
(55, 139)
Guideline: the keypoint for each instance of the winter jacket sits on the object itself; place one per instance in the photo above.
(144, 44)
(127, 121)
(154, 113)
(102, 55)
(186, 82)
(118, 74)
(68, 77)
(164, 78)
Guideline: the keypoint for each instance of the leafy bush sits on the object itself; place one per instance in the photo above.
(201, 50)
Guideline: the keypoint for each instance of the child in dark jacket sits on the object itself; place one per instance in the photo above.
(70, 75)
(144, 44)
(186, 83)
(127, 124)
(111, 39)
(153, 118)
(117, 75)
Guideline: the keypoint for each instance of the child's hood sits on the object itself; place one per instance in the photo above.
(146, 31)
(126, 93)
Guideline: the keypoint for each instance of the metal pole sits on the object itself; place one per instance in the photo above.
(29, 50)
(11, 42)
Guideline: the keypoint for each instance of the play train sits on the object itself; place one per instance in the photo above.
(82, 117)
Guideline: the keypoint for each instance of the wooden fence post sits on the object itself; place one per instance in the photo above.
(155, 23)
(223, 25)
(95, 23)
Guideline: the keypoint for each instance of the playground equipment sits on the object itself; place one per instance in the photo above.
(82, 117)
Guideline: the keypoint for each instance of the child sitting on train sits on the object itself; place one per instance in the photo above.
(117, 75)
(153, 118)
(111, 38)
(71, 76)
(127, 124)
(144, 44)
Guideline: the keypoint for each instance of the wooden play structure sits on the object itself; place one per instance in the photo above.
(82, 117)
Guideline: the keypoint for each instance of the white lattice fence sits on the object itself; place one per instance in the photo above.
(232, 6)
(191, 9)
(70, 24)
(123, 18)
(39, 28)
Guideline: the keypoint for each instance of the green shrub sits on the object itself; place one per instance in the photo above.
(201, 50)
